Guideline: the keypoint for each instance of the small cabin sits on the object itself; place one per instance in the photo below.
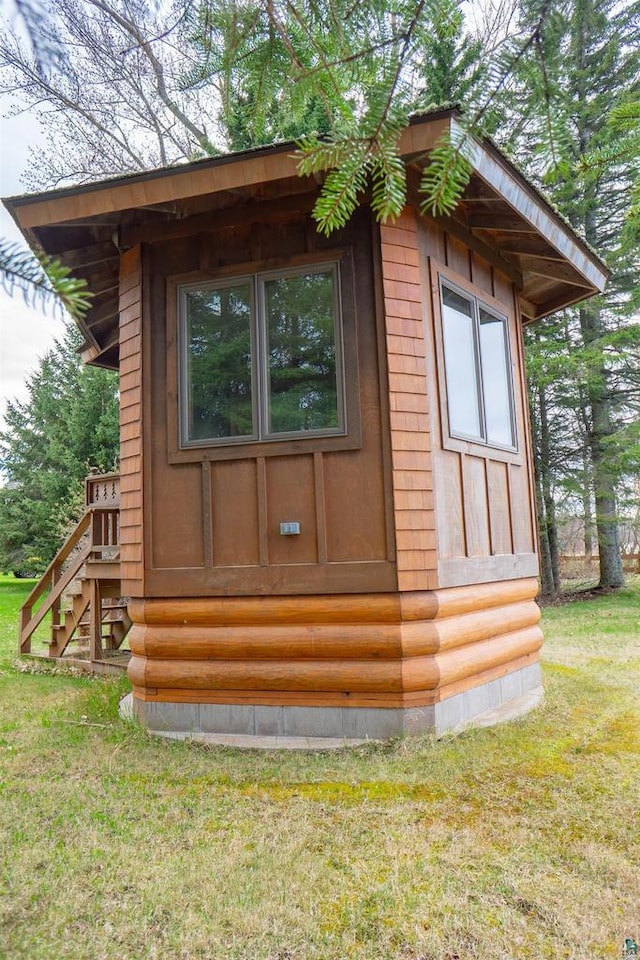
(326, 511)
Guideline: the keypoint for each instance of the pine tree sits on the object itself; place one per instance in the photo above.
(68, 423)
(43, 281)
(590, 65)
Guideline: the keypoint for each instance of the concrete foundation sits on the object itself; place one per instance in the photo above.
(501, 699)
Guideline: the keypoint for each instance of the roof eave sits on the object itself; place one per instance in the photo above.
(500, 175)
(232, 172)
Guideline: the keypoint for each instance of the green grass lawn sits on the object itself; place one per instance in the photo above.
(520, 841)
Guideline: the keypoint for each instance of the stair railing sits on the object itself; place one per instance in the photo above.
(55, 581)
(102, 496)
(101, 520)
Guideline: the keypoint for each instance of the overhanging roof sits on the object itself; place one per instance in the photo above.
(501, 216)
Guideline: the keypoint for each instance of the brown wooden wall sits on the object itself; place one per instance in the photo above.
(456, 512)
(404, 307)
(212, 521)
(131, 525)
(484, 507)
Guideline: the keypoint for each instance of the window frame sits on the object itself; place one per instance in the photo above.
(480, 300)
(348, 433)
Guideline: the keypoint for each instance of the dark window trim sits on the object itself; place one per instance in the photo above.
(349, 435)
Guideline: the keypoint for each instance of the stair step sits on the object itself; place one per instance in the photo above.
(84, 637)
(75, 589)
(112, 614)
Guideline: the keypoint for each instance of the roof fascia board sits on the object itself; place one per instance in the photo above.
(228, 173)
(420, 137)
(178, 183)
(278, 162)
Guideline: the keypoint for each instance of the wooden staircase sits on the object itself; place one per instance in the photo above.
(81, 589)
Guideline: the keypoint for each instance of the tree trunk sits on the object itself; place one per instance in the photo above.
(548, 588)
(586, 508)
(592, 323)
(547, 529)
(547, 492)
(604, 478)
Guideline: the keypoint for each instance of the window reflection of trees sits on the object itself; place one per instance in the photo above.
(300, 321)
(219, 362)
(476, 359)
(292, 387)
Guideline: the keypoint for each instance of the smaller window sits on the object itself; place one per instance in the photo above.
(477, 370)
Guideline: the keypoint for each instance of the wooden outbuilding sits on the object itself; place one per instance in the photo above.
(327, 516)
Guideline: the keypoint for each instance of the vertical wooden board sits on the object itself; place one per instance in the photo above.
(281, 239)
(355, 507)
(130, 291)
(178, 255)
(503, 289)
(234, 494)
(431, 239)
(176, 512)
(481, 274)
(521, 510)
(449, 513)
(353, 482)
(291, 498)
(499, 513)
(523, 419)
(458, 257)
(476, 514)
(231, 245)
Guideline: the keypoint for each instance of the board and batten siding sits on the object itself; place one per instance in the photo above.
(484, 505)
(130, 337)
(212, 514)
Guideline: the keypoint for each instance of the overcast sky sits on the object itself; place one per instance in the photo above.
(25, 333)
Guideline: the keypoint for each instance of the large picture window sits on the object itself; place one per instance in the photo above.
(477, 369)
(261, 357)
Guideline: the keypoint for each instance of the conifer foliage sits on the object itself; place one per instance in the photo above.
(578, 135)
(42, 281)
(68, 423)
(146, 85)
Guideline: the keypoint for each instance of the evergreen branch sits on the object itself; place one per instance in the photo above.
(513, 61)
(320, 52)
(330, 65)
(339, 196)
(41, 279)
(389, 186)
(407, 36)
(444, 178)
